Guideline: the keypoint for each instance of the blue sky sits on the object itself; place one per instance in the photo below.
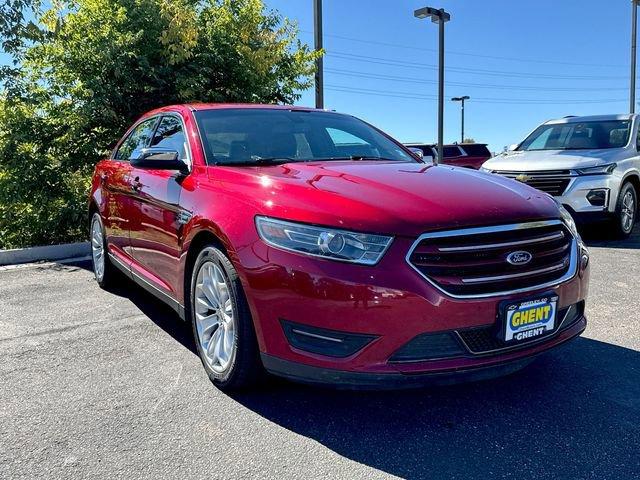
(522, 62)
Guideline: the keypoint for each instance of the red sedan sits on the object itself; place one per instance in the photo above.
(311, 245)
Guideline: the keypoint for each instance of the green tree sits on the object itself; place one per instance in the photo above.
(85, 70)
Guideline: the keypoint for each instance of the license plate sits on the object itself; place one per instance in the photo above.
(527, 320)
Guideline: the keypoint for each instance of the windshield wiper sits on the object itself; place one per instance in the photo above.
(262, 161)
(356, 158)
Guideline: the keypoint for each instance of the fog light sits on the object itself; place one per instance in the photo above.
(598, 198)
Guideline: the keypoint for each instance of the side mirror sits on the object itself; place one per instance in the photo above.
(417, 152)
(160, 159)
(512, 147)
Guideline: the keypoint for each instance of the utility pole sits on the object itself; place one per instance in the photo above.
(317, 32)
(634, 28)
(461, 100)
(440, 17)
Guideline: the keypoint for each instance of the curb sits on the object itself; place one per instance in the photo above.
(47, 252)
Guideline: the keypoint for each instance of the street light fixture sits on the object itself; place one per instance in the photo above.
(440, 17)
(461, 100)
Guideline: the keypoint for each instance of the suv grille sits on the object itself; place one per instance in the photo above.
(473, 262)
(553, 182)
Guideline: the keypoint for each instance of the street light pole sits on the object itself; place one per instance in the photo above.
(317, 30)
(440, 17)
(461, 100)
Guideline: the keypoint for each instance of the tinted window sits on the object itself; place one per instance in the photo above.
(241, 136)
(579, 136)
(449, 152)
(170, 135)
(138, 139)
(476, 150)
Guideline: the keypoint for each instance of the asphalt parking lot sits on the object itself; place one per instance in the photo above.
(96, 384)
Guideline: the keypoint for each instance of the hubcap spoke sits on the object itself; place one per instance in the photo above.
(215, 319)
(97, 249)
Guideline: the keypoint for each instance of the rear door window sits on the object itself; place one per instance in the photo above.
(476, 150)
(450, 152)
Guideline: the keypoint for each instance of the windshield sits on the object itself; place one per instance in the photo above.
(578, 136)
(249, 136)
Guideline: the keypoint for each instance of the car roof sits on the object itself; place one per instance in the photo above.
(215, 106)
(218, 106)
(591, 118)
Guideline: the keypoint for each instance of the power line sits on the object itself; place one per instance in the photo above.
(495, 73)
(505, 101)
(476, 55)
(404, 79)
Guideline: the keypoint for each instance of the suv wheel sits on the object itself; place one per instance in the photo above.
(103, 270)
(222, 324)
(626, 211)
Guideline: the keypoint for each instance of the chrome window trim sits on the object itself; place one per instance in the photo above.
(571, 272)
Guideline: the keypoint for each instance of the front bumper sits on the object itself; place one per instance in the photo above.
(391, 304)
(575, 196)
(497, 367)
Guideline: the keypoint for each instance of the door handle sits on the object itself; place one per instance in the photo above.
(136, 186)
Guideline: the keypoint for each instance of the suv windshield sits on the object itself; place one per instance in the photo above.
(578, 136)
(249, 136)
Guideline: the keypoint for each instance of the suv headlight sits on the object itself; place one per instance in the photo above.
(599, 170)
(362, 248)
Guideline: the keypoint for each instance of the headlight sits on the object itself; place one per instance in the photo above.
(484, 169)
(569, 221)
(600, 170)
(323, 242)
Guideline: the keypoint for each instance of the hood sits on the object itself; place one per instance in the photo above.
(554, 159)
(385, 197)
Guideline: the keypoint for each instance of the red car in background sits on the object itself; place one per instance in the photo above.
(311, 245)
(468, 155)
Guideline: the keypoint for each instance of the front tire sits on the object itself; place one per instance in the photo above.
(222, 325)
(626, 211)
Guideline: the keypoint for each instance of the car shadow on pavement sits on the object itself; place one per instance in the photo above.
(572, 414)
(601, 236)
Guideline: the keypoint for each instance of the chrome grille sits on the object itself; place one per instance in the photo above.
(473, 262)
(553, 182)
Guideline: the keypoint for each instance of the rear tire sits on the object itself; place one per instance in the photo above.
(626, 211)
(103, 270)
(222, 324)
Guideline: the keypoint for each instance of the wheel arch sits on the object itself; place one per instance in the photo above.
(634, 179)
(204, 236)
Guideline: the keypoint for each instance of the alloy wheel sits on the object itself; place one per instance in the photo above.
(97, 248)
(215, 318)
(628, 211)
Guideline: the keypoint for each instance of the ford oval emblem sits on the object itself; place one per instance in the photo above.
(519, 258)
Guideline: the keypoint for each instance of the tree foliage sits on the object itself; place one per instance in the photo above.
(86, 69)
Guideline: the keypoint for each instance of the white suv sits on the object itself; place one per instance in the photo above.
(590, 164)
